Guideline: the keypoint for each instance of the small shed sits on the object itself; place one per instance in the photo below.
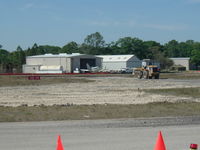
(119, 62)
(183, 61)
(178, 68)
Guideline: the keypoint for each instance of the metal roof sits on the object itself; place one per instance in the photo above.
(57, 55)
(180, 58)
(112, 58)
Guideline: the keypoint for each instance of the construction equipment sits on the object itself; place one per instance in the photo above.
(147, 71)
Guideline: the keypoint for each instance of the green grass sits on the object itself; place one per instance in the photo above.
(193, 92)
(74, 112)
(45, 80)
(180, 75)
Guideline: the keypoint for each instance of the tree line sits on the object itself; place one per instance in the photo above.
(95, 44)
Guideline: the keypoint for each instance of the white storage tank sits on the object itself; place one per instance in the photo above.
(50, 69)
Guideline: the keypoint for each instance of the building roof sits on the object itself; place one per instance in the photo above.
(180, 58)
(57, 55)
(112, 58)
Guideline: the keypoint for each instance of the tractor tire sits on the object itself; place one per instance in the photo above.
(157, 76)
(140, 74)
(145, 74)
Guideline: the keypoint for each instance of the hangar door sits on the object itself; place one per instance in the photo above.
(84, 62)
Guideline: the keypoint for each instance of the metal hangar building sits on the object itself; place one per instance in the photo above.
(60, 63)
(119, 62)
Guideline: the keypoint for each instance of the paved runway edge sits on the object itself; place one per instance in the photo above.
(145, 122)
(114, 123)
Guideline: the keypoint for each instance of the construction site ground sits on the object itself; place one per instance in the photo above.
(105, 94)
(93, 90)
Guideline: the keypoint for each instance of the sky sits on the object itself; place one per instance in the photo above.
(57, 22)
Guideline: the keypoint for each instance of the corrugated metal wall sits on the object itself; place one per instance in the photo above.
(114, 65)
(69, 64)
(118, 65)
(134, 62)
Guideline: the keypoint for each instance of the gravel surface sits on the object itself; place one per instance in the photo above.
(104, 90)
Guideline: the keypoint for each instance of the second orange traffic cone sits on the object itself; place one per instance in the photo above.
(160, 145)
(59, 144)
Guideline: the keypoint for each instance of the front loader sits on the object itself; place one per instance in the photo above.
(147, 71)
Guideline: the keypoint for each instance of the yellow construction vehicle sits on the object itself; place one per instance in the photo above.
(147, 71)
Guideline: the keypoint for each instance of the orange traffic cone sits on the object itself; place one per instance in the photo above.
(59, 144)
(160, 145)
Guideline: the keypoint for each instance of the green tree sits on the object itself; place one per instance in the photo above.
(196, 45)
(195, 58)
(71, 47)
(4, 59)
(159, 56)
(93, 44)
(21, 56)
(86, 49)
(152, 48)
(48, 49)
(43, 49)
(172, 49)
(111, 49)
(3, 56)
(94, 40)
(32, 51)
(185, 49)
(17, 59)
(130, 45)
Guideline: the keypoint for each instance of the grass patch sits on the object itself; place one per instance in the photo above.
(45, 80)
(188, 92)
(74, 112)
(18, 80)
(180, 75)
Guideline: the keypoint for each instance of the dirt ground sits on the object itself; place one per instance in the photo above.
(104, 90)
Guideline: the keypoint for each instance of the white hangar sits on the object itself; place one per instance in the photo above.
(60, 63)
(119, 62)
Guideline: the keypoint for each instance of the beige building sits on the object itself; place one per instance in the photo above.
(183, 61)
(60, 63)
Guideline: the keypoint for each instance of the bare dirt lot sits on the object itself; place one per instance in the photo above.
(95, 90)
